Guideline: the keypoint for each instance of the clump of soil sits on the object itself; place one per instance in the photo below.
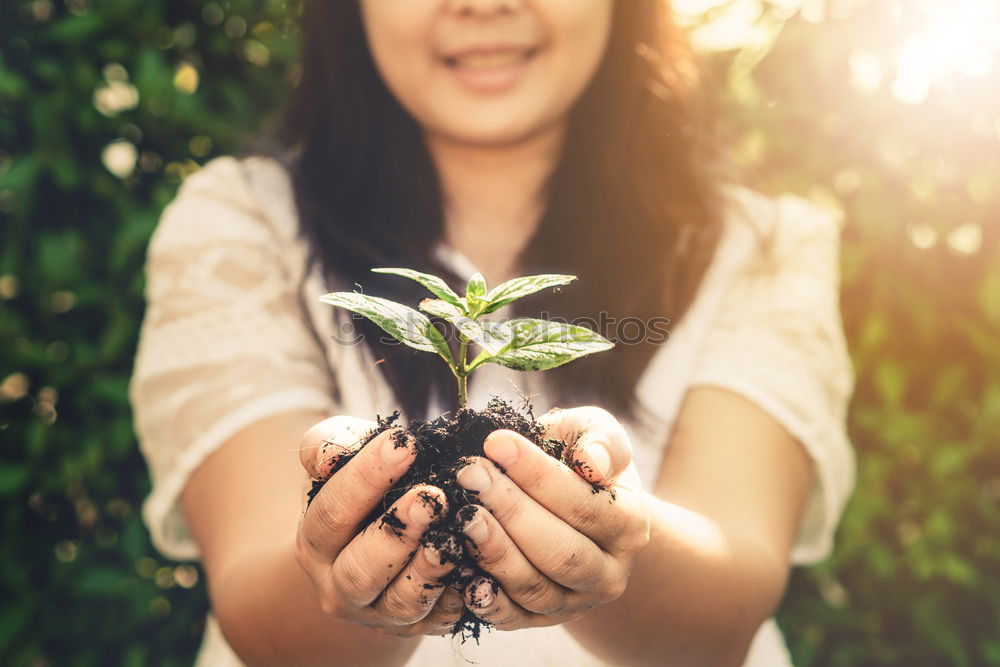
(442, 447)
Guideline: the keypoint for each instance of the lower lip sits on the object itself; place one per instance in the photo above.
(491, 79)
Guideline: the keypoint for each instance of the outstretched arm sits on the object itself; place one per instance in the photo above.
(708, 552)
(244, 507)
(723, 515)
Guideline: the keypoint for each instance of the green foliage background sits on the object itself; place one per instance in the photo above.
(913, 580)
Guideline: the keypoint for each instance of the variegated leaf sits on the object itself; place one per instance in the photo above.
(516, 288)
(403, 323)
(435, 285)
(541, 344)
(491, 336)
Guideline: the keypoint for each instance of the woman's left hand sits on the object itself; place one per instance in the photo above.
(553, 545)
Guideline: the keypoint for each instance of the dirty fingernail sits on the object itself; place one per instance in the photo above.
(465, 573)
(441, 548)
(426, 507)
(395, 449)
(433, 556)
(502, 448)
(476, 529)
(481, 593)
(422, 509)
(474, 477)
(330, 455)
(598, 459)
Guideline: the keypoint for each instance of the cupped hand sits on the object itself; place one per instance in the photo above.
(554, 543)
(382, 576)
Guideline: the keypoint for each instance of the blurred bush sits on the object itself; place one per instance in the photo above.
(891, 111)
(105, 105)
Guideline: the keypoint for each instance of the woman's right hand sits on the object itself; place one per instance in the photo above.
(382, 576)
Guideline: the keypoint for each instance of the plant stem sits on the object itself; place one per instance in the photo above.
(461, 376)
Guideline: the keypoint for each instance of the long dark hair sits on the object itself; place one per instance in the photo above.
(633, 204)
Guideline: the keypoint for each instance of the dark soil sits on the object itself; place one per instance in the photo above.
(442, 446)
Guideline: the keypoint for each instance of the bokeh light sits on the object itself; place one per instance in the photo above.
(952, 36)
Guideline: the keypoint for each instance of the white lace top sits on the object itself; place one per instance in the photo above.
(234, 332)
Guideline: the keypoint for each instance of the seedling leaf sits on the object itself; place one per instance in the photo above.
(435, 285)
(476, 286)
(542, 344)
(516, 288)
(403, 323)
(491, 336)
(440, 308)
(475, 296)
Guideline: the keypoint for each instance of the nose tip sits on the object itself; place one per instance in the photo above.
(472, 8)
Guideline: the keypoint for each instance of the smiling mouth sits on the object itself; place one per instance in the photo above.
(486, 60)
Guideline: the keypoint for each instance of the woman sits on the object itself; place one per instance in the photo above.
(505, 136)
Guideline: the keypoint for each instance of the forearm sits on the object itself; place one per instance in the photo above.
(270, 614)
(697, 595)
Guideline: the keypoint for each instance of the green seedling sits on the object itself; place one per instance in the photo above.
(524, 344)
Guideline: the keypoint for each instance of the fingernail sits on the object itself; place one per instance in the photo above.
(476, 529)
(433, 556)
(425, 507)
(474, 477)
(441, 548)
(420, 511)
(330, 455)
(598, 459)
(502, 448)
(481, 593)
(396, 448)
(465, 573)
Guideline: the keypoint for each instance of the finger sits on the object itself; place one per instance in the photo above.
(377, 554)
(559, 551)
(445, 614)
(600, 449)
(328, 441)
(488, 601)
(497, 555)
(413, 594)
(337, 511)
(607, 520)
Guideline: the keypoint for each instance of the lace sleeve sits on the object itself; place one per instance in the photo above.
(778, 340)
(224, 342)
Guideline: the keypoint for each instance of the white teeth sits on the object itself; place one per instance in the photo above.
(488, 60)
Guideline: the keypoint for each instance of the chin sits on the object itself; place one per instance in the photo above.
(485, 131)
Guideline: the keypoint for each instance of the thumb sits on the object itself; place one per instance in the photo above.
(599, 448)
(326, 443)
